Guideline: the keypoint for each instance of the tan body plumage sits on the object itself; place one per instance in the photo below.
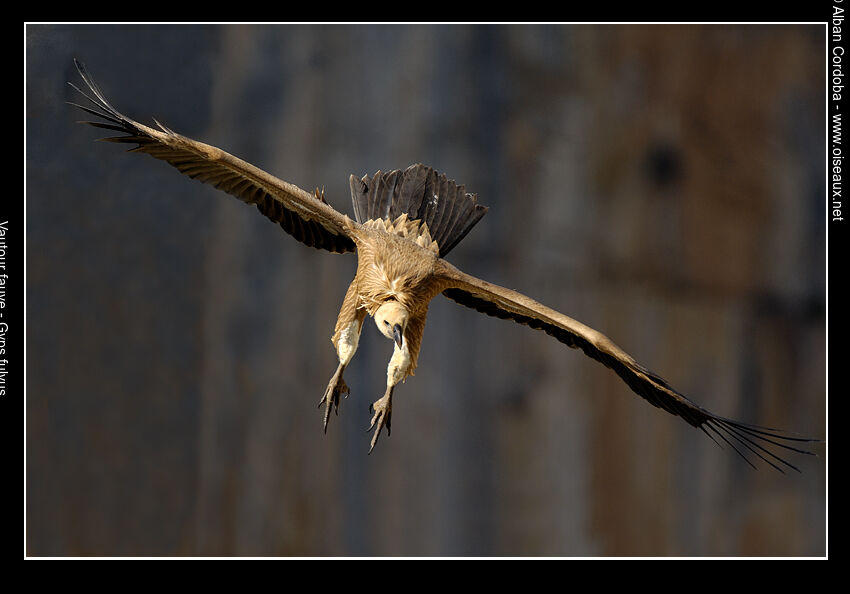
(397, 263)
(406, 223)
(392, 264)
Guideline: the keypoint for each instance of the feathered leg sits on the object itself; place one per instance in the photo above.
(345, 339)
(383, 408)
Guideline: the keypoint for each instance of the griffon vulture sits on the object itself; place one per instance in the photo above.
(405, 223)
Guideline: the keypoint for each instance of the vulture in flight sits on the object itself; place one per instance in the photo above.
(405, 223)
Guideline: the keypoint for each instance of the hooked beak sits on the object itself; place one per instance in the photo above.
(397, 336)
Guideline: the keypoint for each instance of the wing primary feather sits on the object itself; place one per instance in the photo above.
(732, 445)
(749, 438)
(710, 436)
(100, 124)
(754, 447)
(94, 112)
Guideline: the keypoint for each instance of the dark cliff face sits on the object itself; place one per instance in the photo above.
(661, 184)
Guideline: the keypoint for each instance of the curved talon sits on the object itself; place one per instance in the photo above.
(383, 410)
(335, 387)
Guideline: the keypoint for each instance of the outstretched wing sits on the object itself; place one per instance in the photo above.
(504, 303)
(307, 217)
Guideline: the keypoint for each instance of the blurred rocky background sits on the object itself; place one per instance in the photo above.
(662, 184)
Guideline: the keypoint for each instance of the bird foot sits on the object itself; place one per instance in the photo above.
(383, 409)
(335, 387)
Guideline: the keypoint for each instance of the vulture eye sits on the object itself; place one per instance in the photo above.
(386, 323)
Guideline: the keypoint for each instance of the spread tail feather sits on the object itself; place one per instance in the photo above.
(448, 210)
